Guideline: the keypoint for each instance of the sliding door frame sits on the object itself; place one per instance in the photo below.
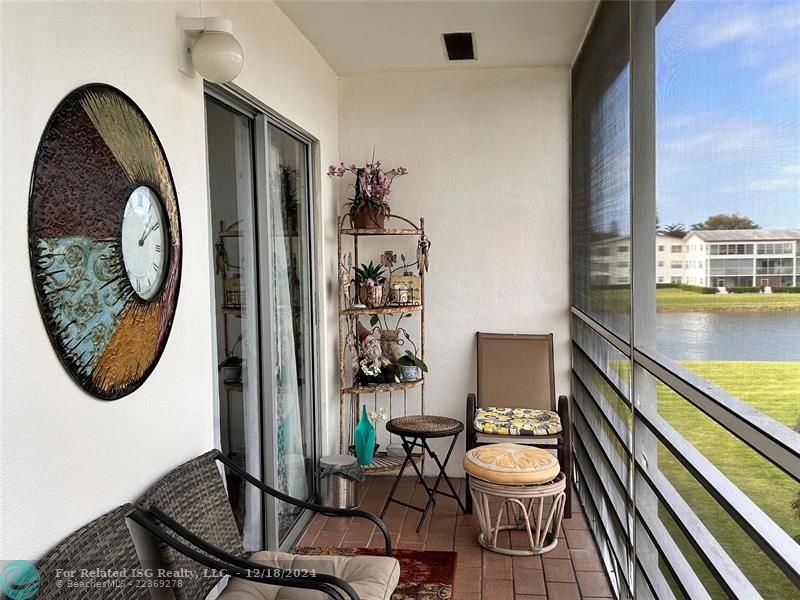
(262, 117)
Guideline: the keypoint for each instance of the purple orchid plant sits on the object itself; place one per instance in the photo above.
(373, 183)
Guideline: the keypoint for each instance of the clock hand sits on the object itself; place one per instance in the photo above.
(151, 230)
(146, 232)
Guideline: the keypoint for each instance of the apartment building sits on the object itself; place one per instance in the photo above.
(722, 258)
(749, 257)
(670, 259)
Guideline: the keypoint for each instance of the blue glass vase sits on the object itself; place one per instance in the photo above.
(365, 439)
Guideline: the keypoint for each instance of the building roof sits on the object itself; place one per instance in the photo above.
(746, 235)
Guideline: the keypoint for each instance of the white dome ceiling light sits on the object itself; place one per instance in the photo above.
(208, 46)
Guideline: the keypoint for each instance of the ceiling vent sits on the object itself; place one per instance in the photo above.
(459, 46)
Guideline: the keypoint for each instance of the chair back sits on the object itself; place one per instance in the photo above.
(193, 494)
(104, 544)
(516, 370)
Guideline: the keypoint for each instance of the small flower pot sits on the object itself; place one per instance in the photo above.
(231, 370)
(368, 217)
(408, 373)
(371, 296)
(390, 344)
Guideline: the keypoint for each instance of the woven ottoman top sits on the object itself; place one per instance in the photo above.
(424, 426)
(513, 464)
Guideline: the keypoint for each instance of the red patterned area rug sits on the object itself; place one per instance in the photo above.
(424, 575)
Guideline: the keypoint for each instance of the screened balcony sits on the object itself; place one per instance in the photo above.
(622, 174)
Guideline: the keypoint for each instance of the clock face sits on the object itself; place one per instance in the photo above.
(104, 240)
(144, 249)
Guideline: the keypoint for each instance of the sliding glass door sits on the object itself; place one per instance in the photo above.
(263, 246)
(290, 269)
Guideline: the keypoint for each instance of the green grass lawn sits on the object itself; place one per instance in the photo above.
(672, 299)
(773, 388)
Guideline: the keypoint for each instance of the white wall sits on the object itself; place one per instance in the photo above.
(64, 456)
(487, 153)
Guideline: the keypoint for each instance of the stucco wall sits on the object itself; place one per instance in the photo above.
(487, 155)
(64, 456)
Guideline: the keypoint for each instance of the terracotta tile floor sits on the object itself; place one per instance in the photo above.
(572, 571)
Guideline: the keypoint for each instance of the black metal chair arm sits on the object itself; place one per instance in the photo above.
(472, 405)
(564, 409)
(328, 511)
(228, 564)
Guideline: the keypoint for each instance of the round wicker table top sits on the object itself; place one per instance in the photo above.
(424, 426)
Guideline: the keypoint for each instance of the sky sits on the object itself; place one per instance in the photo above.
(728, 111)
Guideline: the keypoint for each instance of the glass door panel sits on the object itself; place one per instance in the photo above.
(291, 338)
(231, 182)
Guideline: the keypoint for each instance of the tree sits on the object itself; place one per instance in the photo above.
(677, 230)
(725, 221)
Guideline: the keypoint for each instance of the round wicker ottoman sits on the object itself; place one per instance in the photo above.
(529, 485)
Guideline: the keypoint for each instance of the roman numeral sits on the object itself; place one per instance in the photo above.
(156, 226)
(155, 267)
(138, 286)
(158, 247)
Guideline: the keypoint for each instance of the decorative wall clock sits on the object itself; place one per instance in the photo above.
(104, 240)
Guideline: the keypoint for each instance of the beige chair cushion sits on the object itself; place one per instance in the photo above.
(511, 464)
(373, 577)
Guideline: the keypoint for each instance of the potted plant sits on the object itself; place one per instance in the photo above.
(369, 207)
(410, 367)
(370, 284)
(370, 372)
(231, 367)
(376, 372)
(391, 338)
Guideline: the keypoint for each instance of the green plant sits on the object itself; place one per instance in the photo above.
(370, 273)
(786, 290)
(409, 359)
(744, 289)
(697, 288)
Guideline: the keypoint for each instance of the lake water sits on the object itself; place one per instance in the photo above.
(768, 336)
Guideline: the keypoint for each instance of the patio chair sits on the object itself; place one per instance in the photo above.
(516, 399)
(189, 515)
(104, 544)
(101, 561)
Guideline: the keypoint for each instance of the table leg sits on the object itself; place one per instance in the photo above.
(442, 474)
(442, 468)
(409, 457)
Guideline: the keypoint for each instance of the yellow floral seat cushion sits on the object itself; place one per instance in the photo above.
(513, 464)
(516, 421)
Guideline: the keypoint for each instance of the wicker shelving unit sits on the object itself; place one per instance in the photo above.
(350, 393)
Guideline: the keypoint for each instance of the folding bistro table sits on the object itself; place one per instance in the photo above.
(415, 431)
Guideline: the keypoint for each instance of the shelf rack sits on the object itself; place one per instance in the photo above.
(349, 395)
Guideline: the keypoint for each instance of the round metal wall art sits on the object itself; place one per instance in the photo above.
(105, 240)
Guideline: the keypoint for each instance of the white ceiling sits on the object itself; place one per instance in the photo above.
(376, 36)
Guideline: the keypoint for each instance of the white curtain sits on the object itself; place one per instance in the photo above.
(289, 452)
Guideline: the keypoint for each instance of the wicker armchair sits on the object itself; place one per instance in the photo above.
(516, 371)
(104, 544)
(189, 515)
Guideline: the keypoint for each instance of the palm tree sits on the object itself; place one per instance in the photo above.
(677, 230)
